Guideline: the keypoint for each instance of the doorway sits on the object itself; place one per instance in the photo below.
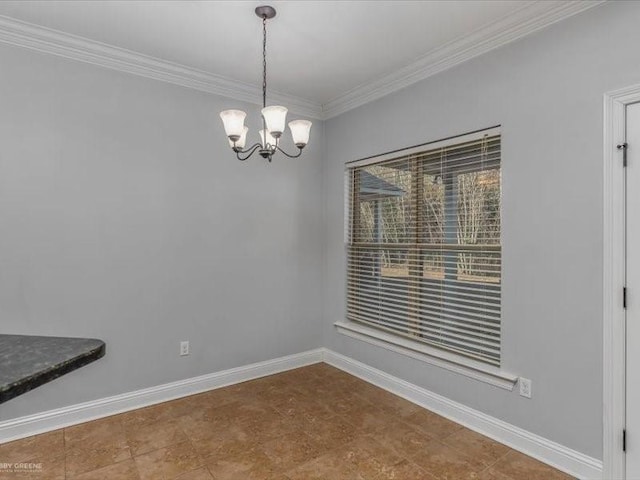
(631, 154)
(621, 285)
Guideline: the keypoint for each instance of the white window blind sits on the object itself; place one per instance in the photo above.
(423, 240)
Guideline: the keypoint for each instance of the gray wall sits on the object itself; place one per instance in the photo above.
(546, 91)
(125, 216)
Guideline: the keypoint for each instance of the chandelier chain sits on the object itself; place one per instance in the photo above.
(264, 61)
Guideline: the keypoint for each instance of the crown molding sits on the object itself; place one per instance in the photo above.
(55, 42)
(531, 17)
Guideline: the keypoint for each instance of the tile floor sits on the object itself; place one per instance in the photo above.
(311, 423)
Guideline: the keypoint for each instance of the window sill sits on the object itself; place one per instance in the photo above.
(431, 355)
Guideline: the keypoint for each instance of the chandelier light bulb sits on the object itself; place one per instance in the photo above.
(275, 118)
(270, 142)
(233, 121)
(300, 130)
(241, 142)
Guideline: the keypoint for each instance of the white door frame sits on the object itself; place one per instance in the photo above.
(614, 355)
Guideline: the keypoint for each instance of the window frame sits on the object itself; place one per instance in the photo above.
(442, 357)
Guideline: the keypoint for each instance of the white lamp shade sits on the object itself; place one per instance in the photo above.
(233, 121)
(300, 132)
(275, 118)
(269, 140)
(242, 141)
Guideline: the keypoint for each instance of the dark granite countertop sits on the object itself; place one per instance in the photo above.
(28, 361)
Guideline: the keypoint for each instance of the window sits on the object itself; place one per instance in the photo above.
(423, 240)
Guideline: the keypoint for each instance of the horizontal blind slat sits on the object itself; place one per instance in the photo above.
(492, 358)
(440, 303)
(442, 333)
(423, 318)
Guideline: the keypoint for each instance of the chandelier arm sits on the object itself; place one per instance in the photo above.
(255, 145)
(249, 151)
(290, 156)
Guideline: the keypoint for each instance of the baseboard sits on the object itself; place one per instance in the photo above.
(84, 412)
(558, 456)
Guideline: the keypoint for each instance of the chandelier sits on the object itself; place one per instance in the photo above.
(273, 117)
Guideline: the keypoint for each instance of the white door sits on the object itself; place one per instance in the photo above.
(633, 289)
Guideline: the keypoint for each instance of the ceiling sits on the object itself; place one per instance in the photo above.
(320, 52)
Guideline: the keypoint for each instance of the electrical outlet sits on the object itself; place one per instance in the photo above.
(525, 387)
(184, 348)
